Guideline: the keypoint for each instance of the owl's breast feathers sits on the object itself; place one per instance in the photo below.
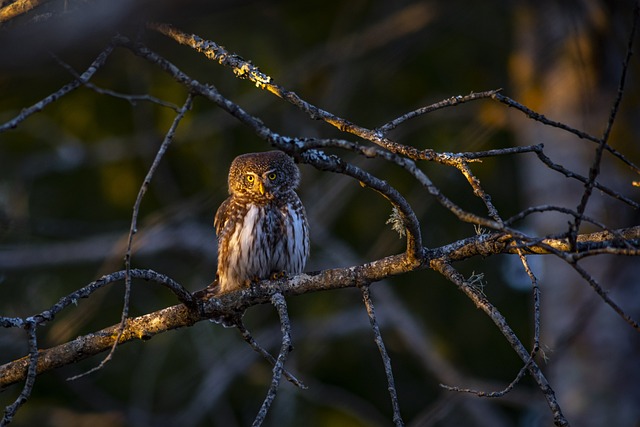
(259, 237)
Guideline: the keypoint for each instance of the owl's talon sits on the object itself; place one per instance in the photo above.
(278, 275)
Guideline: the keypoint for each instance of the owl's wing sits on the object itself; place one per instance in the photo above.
(222, 215)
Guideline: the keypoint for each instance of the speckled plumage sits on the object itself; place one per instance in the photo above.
(262, 227)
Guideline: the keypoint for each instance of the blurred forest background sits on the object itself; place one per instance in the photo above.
(69, 176)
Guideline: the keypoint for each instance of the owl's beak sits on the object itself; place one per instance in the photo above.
(261, 188)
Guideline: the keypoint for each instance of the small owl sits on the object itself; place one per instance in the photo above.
(262, 227)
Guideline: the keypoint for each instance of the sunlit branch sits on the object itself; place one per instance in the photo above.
(18, 8)
(246, 70)
(144, 327)
(133, 230)
(317, 159)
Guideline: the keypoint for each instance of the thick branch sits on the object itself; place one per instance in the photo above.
(18, 8)
(145, 327)
(138, 328)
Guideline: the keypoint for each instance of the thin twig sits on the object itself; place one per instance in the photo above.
(534, 350)
(463, 167)
(580, 134)
(40, 105)
(285, 326)
(594, 170)
(386, 360)
(498, 319)
(10, 411)
(604, 295)
(246, 335)
(570, 174)
(246, 70)
(134, 228)
(500, 152)
(536, 341)
(132, 99)
(449, 102)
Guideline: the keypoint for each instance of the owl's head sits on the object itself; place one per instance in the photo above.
(263, 175)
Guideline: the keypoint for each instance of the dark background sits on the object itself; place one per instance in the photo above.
(69, 176)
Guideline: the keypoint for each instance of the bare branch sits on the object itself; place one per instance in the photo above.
(246, 335)
(134, 228)
(18, 8)
(594, 170)
(285, 326)
(604, 295)
(482, 303)
(449, 102)
(570, 174)
(534, 350)
(235, 302)
(580, 134)
(386, 360)
(132, 99)
(138, 328)
(40, 105)
(569, 246)
(246, 70)
(31, 373)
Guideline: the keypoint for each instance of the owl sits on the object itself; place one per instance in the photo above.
(261, 227)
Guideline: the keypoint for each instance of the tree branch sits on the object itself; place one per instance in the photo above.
(386, 360)
(18, 8)
(483, 303)
(278, 367)
(203, 307)
(40, 105)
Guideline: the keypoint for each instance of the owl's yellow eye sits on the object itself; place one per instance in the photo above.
(250, 178)
(272, 176)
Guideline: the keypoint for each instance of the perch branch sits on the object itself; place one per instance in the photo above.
(201, 307)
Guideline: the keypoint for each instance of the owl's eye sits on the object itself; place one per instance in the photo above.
(250, 178)
(272, 176)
